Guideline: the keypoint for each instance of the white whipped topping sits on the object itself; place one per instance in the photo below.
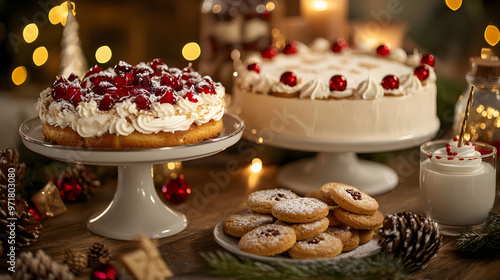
(369, 89)
(315, 89)
(342, 94)
(397, 91)
(282, 88)
(398, 55)
(457, 160)
(320, 45)
(414, 59)
(410, 84)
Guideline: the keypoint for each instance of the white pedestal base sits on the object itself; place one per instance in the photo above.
(136, 208)
(310, 174)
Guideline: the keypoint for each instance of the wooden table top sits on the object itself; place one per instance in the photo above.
(181, 252)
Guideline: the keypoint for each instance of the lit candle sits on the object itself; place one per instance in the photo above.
(325, 18)
(372, 33)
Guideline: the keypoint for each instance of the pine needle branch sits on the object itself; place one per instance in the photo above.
(379, 266)
(483, 241)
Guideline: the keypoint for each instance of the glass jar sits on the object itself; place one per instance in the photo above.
(228, 25)
(483, 123)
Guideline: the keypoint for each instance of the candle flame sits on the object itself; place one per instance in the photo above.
(319, 5)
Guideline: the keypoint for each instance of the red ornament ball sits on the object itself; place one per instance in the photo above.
(69, 189)
(176, 190)
(290, 48)
(339, 45)
(269, 52)
(390, 82)
(36, 213)
(289, 79)
(338, 83)
(422, 72)
(428, 59)
(254, 67)
(383, 50)
(104, 272)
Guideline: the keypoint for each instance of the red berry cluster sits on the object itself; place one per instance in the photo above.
(143, 85)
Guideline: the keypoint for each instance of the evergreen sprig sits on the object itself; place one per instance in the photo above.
(379, 266)
(483, 241)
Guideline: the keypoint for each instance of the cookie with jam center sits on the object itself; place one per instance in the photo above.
(300, 210)
(321, 246)
(350, 198)
(268, 240)
(262, 201)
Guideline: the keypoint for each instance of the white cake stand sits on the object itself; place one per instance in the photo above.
(136, 207)
(337, 160)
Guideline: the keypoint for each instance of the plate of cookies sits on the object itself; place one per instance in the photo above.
(335, 221)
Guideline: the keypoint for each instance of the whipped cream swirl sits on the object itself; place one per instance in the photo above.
(457, 160)
(369, 89)
(315, 89)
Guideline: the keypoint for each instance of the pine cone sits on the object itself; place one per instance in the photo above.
(98, 253)
(40, 266)
(9, 158)
(77, 261)
(27, 227)
(412, 237)
(83, 177)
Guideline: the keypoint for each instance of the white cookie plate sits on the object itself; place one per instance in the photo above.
(230, 243)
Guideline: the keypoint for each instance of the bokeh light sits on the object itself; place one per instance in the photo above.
(19, 75)
(40, 56)
(256, 166)
(30, 33)
(492, 35)
(454, 4)
(63, 11)
(103, 54)
(191, 51)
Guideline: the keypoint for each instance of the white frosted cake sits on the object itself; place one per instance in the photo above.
(337, 92)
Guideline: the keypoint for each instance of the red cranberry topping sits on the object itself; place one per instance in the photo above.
(94, 70)
(390, 82)
(145, 81)
(73, 78)
(422, 72)
(290, 48)
(254, 67)
(123, 80)
(171, 81)
(428, 59)
(59, 88)
(142, 102)
(338, 83)
(101, 87)
(155, 62)
(76, 96)
(107, 102)
(124, 68)
(101, 76)
(269, 52)
(383, 50)
(168, 97)
(289, 79)
(191, 97)
(205, 88)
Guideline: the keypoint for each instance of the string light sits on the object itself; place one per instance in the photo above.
(191, 51)
(40, 56)
(103, 54)
(454, 4)
(30, 33)
(19, 75)
(256, 166)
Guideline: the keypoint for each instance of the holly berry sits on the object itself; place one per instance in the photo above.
(383, 50)
(338, 83)
(269, 52)
(190, 96)
(176, 190)
(69, 189)
(168, 97)
(339, 45)
(289, 79)
(142, 102)
(290, 48)
(390, 82)
(422, 72)
(428, 59)
(94, 70)
(254, 67)
(107, 102)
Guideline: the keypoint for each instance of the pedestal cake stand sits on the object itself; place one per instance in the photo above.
(136, 207)
(337, 160)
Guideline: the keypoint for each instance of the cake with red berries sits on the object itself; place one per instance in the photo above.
(143, 106)
(337, 91)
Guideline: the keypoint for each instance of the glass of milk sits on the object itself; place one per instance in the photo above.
(457, 184)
